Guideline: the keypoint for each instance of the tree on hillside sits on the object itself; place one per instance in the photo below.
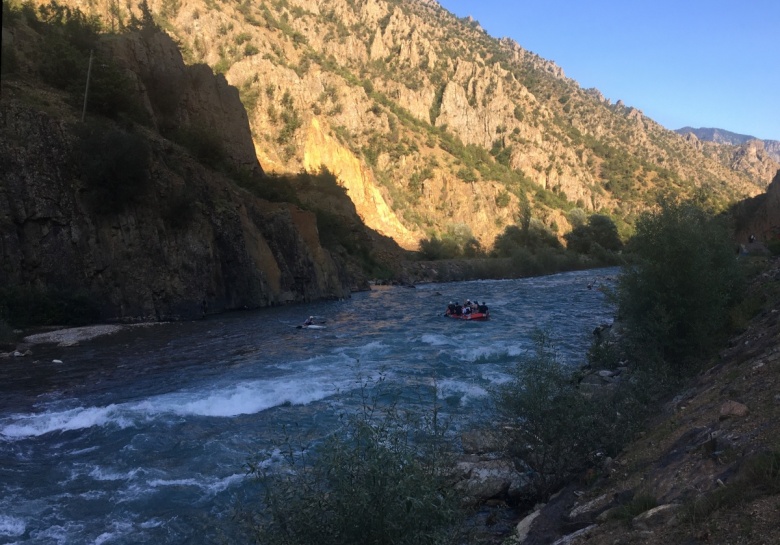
(599, 230)
(533, 236)
(675, 299)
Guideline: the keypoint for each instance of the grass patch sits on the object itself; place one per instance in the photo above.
(758, 476)
(639, 504)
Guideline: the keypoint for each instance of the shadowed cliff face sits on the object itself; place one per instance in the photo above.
(760, 216)
(176, 96)
(186, 240)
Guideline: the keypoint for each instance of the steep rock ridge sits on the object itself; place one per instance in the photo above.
(178, 96)
(772, 147)
(471, 84)
(749, 155)
(188, 242)
(752, 156)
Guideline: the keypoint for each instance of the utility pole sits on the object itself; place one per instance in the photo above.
(86, 90)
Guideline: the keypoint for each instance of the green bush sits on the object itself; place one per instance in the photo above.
(774, 246)
(554, 429)
(639, 504)
(62, 65)
(675, 299)
(203, 143)
(503, 199)
(9, 64)
(434, 248)
(600, 230)
(532, 236)
(380, 479)
(271, 187)
(69, 38)
(111, 93)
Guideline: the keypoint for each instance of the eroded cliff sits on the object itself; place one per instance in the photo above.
(186, 240)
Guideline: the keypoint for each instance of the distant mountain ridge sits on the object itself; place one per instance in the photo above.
(721, 136)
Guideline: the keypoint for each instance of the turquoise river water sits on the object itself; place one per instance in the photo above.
(143, 436)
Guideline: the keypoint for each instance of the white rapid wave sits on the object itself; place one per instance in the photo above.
(248, 397)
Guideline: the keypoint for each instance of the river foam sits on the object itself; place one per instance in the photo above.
(248, 397)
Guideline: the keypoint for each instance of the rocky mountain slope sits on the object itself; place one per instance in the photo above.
(760, 216)
(136, 223)
(432, 126)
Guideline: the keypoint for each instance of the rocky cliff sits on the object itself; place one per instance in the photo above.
(434, 126)
(760, 215)
(188, 240)
(175, 95)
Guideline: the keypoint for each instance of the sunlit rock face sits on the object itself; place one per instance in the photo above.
(321, 150)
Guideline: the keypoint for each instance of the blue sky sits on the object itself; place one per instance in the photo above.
(682, 62)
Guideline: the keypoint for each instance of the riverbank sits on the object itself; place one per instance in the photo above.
(706, 468)
(66, 337)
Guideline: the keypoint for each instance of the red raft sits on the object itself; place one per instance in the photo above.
(452, 312)
(479, 316)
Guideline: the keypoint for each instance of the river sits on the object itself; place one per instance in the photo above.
(143, 436)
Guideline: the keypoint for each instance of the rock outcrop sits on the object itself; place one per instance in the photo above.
(760, 216)
(176, 95)
(323, 151)
(189, 241)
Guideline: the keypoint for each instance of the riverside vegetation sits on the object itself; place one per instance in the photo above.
(354, 487)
